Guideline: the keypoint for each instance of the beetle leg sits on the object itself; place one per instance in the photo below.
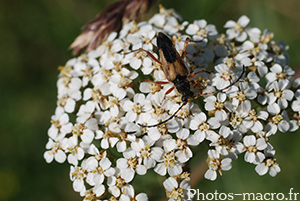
(161, 83)
(158, 82)
(187, 40)
(169, 91)
(149, 54)
(195, 73)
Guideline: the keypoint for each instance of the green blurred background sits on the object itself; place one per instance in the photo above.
(34, 40)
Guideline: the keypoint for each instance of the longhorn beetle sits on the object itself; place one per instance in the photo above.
(176, 72)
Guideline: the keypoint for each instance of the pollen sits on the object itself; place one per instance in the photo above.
(138, 108)
(238, 27)
(202, 32)
(156, 88)
(252, 149)
(241, 96)
(278, 94)
(270, 162)
(120, 182)
(226, 76)
(219, 105)
(203, 126)
(276, 119)
(132, 163)
(281, 76)
(169, 159)
(253, 115)
(56, 124)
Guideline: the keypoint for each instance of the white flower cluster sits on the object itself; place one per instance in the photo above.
(102, 98)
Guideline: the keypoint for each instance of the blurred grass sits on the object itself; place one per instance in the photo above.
(34, 41)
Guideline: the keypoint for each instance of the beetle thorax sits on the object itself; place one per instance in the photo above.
(183, 87)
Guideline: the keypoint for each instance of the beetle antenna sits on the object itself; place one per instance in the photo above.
(240, 77)
(160, 123)
(220, 90)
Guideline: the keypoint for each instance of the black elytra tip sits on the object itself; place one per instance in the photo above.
(165, 44)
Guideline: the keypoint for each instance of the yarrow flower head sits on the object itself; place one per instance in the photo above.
(108, 97)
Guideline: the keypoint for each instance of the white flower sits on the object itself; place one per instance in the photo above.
(254, 34)
(224, 76)
(98, 170)
(130, 164)
(176, 190)
(93, 193)
(168, 164)
(296, 103)
(97, 96)
(228, 144)
(268, 165)
(55, 150)
(201, 31)
(253, 147)
(147, 36)
(237, 29)
(277, 120)
(243, 95)
(152, 88)
(252, 120)
(183, 153)
(117, 184)
(277, 73)
(262, 69)
(184, 114)
(116, 138)
(67, 103)
(86, 111)
(140, 59)
(217, 106)
(77, 175)
(238, 115)
(138, 106)
(203, 127)
(86, 130)
(69, 86)
(265, 38)
(128, 195)
(70, 145)
(106, 44)
(215, 163)
(100, 80)
(149, 155)
(59, 124)
(280, 93)
(278, 53)
(113, 62)
(120, 83)
(294, 124)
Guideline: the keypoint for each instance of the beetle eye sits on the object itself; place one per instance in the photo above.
(184, 99)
